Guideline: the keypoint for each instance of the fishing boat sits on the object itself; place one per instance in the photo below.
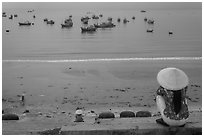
(110, 19)
(67, 23)
(90, 28)
(95, 17)
(170, 32)
(105, 25)
(85, 21)
(85, 18)
(125, 20)
(11, 17)
(150, 30)
(50, 22)
(150, 21)
(68, 20)
(4, 15)
(45, 20)
(26, 23)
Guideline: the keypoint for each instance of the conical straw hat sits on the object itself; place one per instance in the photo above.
(172, 78)
(79, 111)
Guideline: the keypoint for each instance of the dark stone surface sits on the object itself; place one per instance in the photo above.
(10, 117)
(143, 114)
(105, 115)
(126, 114)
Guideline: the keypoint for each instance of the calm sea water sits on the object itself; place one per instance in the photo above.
(42, 41)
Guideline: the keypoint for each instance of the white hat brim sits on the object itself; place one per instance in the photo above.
(172, 78)
(78, 112)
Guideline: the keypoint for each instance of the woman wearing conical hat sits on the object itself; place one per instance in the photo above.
(171, 97)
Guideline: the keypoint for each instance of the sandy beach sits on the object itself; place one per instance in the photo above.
(53, 91)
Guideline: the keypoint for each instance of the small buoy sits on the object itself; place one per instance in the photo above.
(126, 114)
(143, 114)
(106, 115)
(10, 117)
(32, 23)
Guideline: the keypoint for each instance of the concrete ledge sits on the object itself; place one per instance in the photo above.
(168, 131)
(115, 126)
(130, 126)
(136, 129)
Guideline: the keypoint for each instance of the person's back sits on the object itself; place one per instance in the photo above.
(171, 97)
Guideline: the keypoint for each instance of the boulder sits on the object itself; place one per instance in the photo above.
(10, 117)
(106, 115)
(126, 114)
(143, 114)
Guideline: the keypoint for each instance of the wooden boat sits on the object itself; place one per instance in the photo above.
(26, 23)
(142, 11)
(125, 20)
(4, 15)
(85, 21)
(170, 32)
(85, 18)
(150, 21)
(68, 20)
(150, 30)
(110, 19)
(88, 29)
(105, 25)
(45, 19)
(11, 17)
(95, 17)
(50, 22)
(67, 25)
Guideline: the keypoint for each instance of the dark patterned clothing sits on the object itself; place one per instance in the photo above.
(169, 110)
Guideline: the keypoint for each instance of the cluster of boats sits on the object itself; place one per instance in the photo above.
(68, 23)
(94, 27)
(10, 17)
(125, 20)
(85, 19)
(49, 21)
(150, 22)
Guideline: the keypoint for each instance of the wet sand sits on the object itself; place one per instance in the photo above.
(53, 91)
